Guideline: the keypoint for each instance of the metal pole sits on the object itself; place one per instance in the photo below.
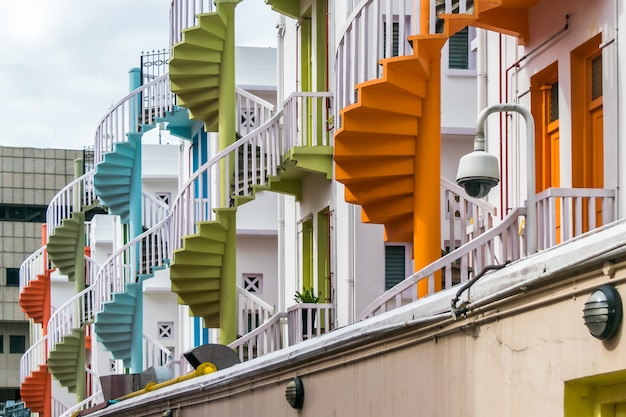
(479, 144)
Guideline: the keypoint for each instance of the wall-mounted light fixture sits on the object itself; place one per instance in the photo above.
(603, 312)
(294, 393)
(167, 413)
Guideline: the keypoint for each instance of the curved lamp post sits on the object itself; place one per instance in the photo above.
(478, 171)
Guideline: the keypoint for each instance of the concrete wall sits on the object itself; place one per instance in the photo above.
(28, 176)
(514, 355)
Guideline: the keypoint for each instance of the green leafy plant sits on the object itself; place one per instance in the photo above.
(306, 296)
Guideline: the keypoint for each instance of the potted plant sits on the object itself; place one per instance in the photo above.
(307, 296)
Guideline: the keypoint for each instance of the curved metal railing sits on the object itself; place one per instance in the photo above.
(252, 311)
(74, 197)
(362, 42)
(265, 339)
(465, 218)
(254, 158)
(183, 15)
(153, 210)
(33, 358)
(495, 246)
(139, 256)
(34, 265)
(155, 354)
(140, 107)
(251, 111)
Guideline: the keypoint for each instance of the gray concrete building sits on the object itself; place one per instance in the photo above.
(29, 179)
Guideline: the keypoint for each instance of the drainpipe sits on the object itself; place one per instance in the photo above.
(481, 70)
(280, 93)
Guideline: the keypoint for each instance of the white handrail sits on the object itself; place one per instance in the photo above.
(253, 311)
(33, 358)
(564, 213)
(155, 354)
(142, 106)
(183, 15)
(91, 269)
(74, 197)
(89, 402)
(496, 246)
(120, 268)
(194, 202)
(471, 215)
(264, 339)
(307, 320)
(153, 209)
(363, 42)
(258, 156)
(309, 119)
(34, 265)
(58, 407)
(251, 111)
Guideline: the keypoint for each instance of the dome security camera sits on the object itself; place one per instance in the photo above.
(478, 173)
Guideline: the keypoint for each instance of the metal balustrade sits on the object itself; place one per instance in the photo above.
(251, 111)
(495, 246)
(255, 159)
(265, 339)
(58, 407)
(33, 358)
(153, 210)
(139, 256)
(363, 41)
(155, 354)
(91, 269)
(184, 14)
(464, 217)
(141, 107)
(307, 320)
(564, 213)
(253, 311)
(34, 265)
(74, 197)
(308, 119)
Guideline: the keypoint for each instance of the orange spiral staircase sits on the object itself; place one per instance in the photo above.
(387, 151)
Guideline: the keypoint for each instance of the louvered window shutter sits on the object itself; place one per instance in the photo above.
(394, 265)
(458, 50)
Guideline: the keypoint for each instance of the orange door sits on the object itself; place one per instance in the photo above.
(553, 170)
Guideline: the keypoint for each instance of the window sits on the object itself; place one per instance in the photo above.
(23, 213)
(17, 344)
(458, 50)
(395, 265)
(253, 283)
(13, 277)
(1, 343)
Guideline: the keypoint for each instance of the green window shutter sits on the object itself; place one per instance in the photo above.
(458, 50)
(394, 265)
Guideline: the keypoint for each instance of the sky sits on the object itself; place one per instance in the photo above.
(64, 63)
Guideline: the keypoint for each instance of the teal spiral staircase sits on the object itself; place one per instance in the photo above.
(113, 176)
